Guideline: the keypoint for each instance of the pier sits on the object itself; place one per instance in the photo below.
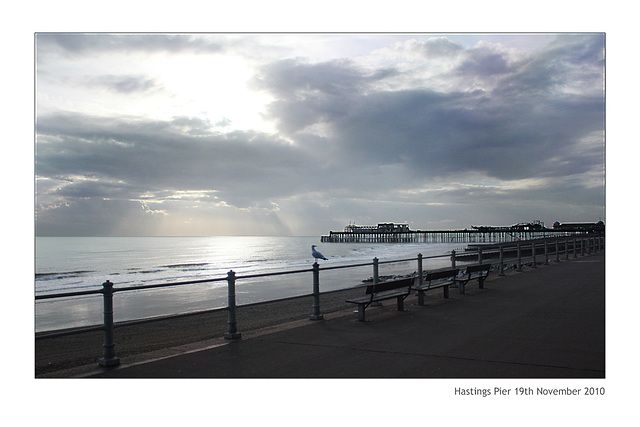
(400, 233)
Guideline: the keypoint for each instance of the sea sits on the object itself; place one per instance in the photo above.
(68, 264)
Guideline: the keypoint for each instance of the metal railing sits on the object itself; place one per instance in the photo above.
(520, 251)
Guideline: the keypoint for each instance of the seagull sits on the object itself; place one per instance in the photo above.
(316, 254)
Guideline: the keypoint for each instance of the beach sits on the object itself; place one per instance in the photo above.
(78, 354)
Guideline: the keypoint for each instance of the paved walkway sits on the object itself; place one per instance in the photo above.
(547, 322)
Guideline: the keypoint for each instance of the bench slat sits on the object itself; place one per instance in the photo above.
(430, 285)
(389, 285)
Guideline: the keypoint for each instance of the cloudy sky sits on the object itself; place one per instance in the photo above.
(299, 134)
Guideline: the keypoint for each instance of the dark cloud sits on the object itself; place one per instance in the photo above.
(183, 154)
(292, 78)
(124, 84)
(91, 43)
(433, 48)
(568, 61)
(483, 62)
(438, 133)
(94, 189)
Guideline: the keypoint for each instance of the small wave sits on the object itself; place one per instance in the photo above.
(62, 275)
(70, 287)
(198, 264)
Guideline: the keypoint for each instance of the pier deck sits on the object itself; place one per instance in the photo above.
(443, 236)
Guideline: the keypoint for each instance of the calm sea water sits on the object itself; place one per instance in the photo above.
(66, 264)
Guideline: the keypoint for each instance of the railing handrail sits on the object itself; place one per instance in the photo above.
(129, 288)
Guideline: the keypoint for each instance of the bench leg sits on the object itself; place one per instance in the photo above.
(445, 290)
(481, 283)
(420, 297)
(361, 309)
(400, 304)
(461, 287)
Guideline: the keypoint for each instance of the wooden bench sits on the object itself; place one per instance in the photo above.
(397, 288)
(434, 280)
(473, 272)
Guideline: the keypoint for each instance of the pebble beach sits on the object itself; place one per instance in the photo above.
(77, 354)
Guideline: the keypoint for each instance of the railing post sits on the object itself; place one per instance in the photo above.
(566, 248)
(232, 333)
(453, 259)
(501, 261)
(420, 281)
(376, 280)
(519, 258)
(557, 251)
(315, 315)
(546, 252)
(479, 255)
(109, 358)
(575, 247)
(420, 273)
(534, 264)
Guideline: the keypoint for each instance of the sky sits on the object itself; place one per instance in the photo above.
(186, 134)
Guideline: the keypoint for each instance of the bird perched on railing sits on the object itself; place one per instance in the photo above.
(317, 255)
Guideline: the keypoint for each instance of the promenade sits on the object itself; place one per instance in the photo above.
(545, 322)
